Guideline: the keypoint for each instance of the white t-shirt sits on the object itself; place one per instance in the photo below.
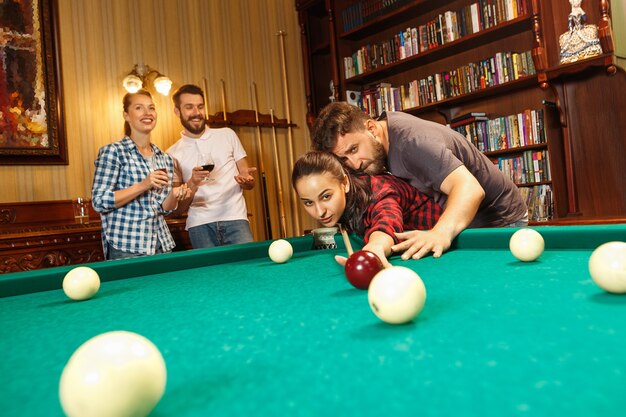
(221, 199)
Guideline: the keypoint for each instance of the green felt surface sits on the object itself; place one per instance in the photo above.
(497, 337)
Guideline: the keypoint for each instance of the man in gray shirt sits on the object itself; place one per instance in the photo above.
(433, 158)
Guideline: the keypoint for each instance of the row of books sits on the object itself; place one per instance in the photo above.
(539, 201)
(506, 132)
(499, 69)
(480, 15)
(363, 11)
(443, 29)
(529, 167)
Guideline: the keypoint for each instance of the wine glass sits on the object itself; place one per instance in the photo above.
(205, 160)
(155, 165)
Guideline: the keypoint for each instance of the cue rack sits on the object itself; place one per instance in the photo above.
(255, 119)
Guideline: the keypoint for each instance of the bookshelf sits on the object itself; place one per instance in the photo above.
(461, 38)
(318, 43)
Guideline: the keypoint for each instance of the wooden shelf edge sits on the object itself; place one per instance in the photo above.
(533, 184)
(515, 150)
(560, 71)
(577, 220)
(247, 118)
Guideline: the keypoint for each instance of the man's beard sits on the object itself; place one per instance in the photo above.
(187, 125)
(379, 160)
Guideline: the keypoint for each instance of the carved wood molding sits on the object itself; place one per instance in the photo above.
(49, 258)
(39, 241)
(7, 216)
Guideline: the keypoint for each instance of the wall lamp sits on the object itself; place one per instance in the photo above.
(139, 76)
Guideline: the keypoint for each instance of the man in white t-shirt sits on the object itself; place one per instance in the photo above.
(217, 213)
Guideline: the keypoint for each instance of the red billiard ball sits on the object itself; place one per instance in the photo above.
(361, 267)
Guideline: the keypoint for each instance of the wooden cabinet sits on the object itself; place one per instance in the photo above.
(367, 35)
(44, 234)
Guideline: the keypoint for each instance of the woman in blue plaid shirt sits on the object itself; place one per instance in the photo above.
(132, 187)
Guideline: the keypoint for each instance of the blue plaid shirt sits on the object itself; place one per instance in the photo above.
(139, 226)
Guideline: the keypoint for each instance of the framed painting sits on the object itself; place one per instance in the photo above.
(32, 131)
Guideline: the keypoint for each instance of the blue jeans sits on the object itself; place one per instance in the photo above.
(224, 233)
(120, 254)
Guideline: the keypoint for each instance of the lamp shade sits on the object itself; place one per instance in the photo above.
(132, 83)
(163, 84)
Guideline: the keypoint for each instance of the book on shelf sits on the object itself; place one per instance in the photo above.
(539, 201)
(467, 116)
(467, 121)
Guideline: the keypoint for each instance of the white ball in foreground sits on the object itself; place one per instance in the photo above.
(117, 373)
(396, 295)
(607, 266)
(81, 283)
(280, 251)
(526, 245)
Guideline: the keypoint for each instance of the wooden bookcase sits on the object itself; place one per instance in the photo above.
(317, 29)
(580, 101)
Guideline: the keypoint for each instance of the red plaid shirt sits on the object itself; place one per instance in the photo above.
(396, 206)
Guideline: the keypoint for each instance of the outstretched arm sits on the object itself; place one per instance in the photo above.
(380, 244)
(464, 197)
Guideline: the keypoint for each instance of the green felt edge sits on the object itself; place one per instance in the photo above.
(556, 237)
(18, 283)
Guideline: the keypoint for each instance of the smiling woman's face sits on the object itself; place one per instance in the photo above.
(141, 114)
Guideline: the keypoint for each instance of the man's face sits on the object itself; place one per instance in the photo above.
(192, 113)
(361, 151)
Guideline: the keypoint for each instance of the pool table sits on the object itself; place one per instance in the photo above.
(243, 336)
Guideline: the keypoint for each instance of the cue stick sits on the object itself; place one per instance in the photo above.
(224, 98)
(294, 204)
(206, 98)
(346, 240)
(279, 184)
(267, 223)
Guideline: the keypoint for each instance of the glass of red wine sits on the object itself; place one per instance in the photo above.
(155, 165)
(206, 162)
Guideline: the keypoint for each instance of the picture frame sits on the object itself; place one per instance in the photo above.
(32, 129)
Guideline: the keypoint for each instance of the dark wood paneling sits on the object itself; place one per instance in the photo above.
(597, 122)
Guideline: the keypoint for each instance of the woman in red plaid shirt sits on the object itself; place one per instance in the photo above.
(375, 207)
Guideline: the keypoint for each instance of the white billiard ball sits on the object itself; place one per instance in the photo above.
(81, 283)
(113, 374)
(607, 266)
(396, 295)
(280, 251)
(526, 245)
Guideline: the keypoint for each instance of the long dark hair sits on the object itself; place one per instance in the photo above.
(358, 195)
(126, 103)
